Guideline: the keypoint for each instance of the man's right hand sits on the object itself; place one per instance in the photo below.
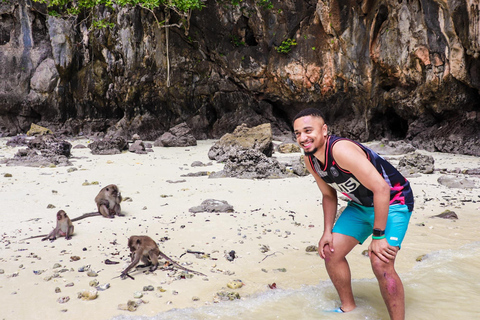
(325, 240)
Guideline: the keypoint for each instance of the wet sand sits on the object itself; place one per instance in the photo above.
(283, 216)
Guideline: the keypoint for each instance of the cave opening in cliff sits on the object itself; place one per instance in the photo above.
(389, 125)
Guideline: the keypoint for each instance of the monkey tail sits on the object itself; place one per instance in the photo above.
(176, 264)
(85, 215)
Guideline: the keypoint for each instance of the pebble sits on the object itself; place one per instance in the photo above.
(56, 265)
(63, 299)
(2, 271)
(58, 290)
(235, 284)
(103, 287)
(74, 258)
(92, 273)
(148, 288)
(129, 306)
(90, 294)
(93, 283)
(195, 298)
(311, 249)
(70, 284)
(137, 294)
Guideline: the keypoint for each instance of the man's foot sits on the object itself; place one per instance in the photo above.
(338, 310)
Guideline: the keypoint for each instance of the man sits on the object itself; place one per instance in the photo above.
(381, 203)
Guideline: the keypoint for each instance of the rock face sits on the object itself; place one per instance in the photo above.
(393, 69)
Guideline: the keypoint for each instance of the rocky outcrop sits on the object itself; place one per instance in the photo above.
(393, 69)
(258, 138)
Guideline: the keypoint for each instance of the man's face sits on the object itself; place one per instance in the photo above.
(311, 133)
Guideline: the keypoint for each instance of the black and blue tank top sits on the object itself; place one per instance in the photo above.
(346, 183)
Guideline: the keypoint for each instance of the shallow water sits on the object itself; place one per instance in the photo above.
(446, 285)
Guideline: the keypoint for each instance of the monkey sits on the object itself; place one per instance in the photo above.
(108, 201)
(145, 249)
(64, 228)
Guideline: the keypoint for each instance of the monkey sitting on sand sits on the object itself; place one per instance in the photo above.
(145, 249)
(108, 201)
(64, 227)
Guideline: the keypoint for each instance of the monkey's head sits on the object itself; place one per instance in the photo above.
(133, 243)
(61, 215)
(112, 190)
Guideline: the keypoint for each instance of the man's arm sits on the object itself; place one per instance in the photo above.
(329, 205)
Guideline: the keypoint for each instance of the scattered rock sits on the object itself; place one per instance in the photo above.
(456, 182)
(288, 148)
(421, 258)
(42, 151)
(108, 146)
(235, 284)
(129, 306)
(7, 175)
(250, 164)
(212, 205)
(416, 163)
(36, 130)
(137, 147)
(90, 294)
(228, 296)
(447, 214)
(311, 248)
(103, 287)
(391, 147)
(137, 294)
(178, 136)
(243, 138)
(63, 299)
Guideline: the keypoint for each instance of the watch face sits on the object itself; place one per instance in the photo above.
(378, 232)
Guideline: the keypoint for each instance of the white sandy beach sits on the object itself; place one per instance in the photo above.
(283, 214)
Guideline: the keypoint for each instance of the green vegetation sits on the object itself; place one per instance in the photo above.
(286, 46)
(66, 8)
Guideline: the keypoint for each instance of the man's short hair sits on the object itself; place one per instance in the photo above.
(309, 112)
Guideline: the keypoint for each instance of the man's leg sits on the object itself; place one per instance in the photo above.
(339, 270)
(391, 286)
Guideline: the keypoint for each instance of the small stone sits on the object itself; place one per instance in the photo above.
(195, 298)
(74, 258)
(50, 206)
(2, 271)
(137, 295)
(70, 284)
(63, 299)
(148, 288)
(281, 270)
(235, 284)
(365, 253)
(161, 289)
(421, 257)
(93, 283)
(90, 294)
(311, 249)
(58, 290)
(92, 273)
(7, 175)
(103, 287)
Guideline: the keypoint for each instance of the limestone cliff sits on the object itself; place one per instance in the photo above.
(396, 69)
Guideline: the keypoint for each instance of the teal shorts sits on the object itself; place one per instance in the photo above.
(357, 221)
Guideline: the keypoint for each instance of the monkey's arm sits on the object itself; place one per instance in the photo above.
(135, 259)
(85, 215)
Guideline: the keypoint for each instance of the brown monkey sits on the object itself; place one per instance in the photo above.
(145, 249)
(64, 227)
(108, 201)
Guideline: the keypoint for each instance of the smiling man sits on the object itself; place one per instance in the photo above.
(381, 203)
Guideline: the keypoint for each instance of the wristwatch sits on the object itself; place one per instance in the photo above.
(378, 232)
